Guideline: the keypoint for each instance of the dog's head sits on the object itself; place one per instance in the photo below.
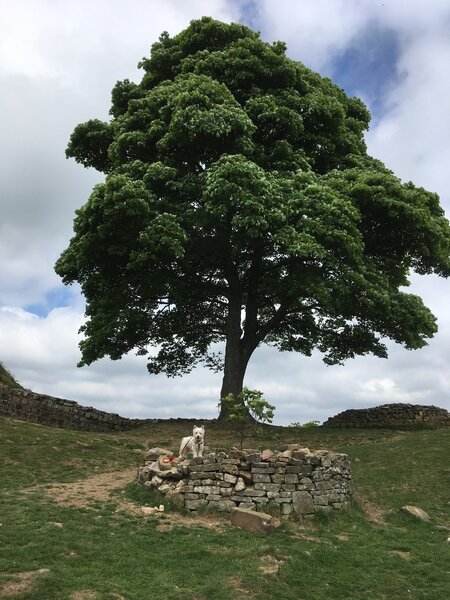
(198, 434)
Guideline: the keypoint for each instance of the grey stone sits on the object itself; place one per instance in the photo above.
(259, 478)
(302, 503)
(258, 470)
(207, 489)
(231, 469)
(290, 469)
(203, 468)
(240, 485)
(248, 505)
(251, 492)
(195, 504)
(267, 487)
(417, 513)
(253, 457)
(212, 497)
(223, 505)
(230, 478)
(291, 478)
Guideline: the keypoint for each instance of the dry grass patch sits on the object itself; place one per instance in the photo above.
(270, 565)
(99, 488)
(172, 520)
(20, 583)
(235, 583)
(84, 595)
(374, 513)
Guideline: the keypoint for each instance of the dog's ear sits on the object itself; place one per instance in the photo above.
(202, 427)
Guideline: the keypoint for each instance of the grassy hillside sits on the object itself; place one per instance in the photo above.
(7, 379)
(72, 528)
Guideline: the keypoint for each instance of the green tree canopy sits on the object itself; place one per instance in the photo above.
(240, 205)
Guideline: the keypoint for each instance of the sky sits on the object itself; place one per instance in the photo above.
(59, 60)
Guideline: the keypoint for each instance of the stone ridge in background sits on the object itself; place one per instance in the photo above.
(57, 412)
(392, 416)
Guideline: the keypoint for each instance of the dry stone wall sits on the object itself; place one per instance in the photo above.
(388, 416)
(57, 412)
(293, 481)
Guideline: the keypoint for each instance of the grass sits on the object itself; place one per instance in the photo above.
(6, 378)
(51, 550)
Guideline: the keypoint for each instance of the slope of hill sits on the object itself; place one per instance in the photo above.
(7, 379)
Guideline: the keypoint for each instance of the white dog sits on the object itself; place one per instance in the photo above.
(194, 443)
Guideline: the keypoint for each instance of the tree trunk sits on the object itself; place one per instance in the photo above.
(237, 356)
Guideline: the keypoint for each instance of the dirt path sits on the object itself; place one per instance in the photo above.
(98, 488)
(103, 487)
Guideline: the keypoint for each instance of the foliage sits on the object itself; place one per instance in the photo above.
(307, 425)
(249, 403)
(240, 205)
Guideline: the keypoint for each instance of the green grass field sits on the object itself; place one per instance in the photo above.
(71, 525)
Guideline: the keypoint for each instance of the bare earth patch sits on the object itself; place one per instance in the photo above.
(374, 513)
(235, 584)
(270, 565)
(84, 595)
(403, 554)
(22, 582)
(175, 519)
(101, 488)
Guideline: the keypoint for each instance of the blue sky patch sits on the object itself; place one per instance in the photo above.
(369, 67)
(55, 298)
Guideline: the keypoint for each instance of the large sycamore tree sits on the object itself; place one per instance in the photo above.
(240, 205)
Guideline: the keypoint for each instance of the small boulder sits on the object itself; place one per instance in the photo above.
(266, 455)
(149, 510)
(250, 520)
(155, 453)
(417, 513)
(240, 485)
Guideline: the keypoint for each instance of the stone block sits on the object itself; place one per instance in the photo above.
(207, 489)
(231, 469)
(267, 454)
(302, 503)
(259, 478)
(259, 470)
(230, 478)
(288, 487)
(286, 509)
(278, 478)
(291, 478)
(222, 505)
(253, 457)
(267, 487)
(320, 500)
(240, 484)
(251, 492)
(323, 485)
(195, 504)
(293, 469)
(248, 505)
(203, 468)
